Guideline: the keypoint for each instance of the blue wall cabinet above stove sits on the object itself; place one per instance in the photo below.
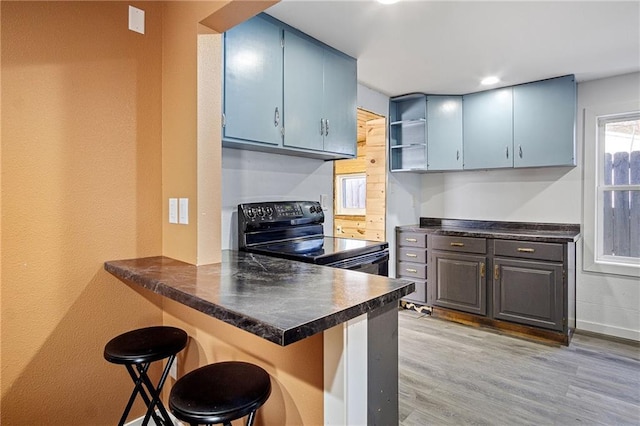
(444, 132)
(544, 116)
(320, 97)
(253, 82)
(488, 129)
(339, 103)
(287, 93)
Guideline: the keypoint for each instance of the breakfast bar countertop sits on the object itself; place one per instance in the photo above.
(279, 300)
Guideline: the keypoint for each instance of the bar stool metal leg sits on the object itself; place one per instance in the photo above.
(137, 350)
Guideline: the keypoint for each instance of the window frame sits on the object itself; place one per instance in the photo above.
(342, 211)
(594, 259)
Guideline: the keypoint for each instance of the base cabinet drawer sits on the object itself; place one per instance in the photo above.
(459, 244)
(420, 295)
(410, 254)
(459, 282)
(528, 292)
(412, 270)
(412, 239)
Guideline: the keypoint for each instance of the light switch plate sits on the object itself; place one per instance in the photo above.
(183, 211)
(136, 19)
(173, 210)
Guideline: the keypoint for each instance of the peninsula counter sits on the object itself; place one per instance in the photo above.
(284, 302)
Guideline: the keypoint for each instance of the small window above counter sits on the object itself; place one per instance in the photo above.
(527, 125)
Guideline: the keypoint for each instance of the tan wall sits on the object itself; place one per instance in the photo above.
(99, 128)
(81, 167)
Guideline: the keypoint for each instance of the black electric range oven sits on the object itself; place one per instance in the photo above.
(294, 230)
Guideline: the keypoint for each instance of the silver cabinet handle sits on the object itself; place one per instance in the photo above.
(507, 151)
(276, 118)
(321, 126)
(326, 127)
(411, 270)
(520, 150)
(412, 255)
(457, 154)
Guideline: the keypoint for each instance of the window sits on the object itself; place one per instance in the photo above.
(612, 190)
(351, 194)
(618, 189)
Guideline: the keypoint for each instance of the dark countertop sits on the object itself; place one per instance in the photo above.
(280, 300)
(531, 231)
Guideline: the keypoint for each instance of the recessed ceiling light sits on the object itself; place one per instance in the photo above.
(387, 1)
(489, 80)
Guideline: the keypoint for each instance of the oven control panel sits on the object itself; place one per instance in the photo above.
(281, 212)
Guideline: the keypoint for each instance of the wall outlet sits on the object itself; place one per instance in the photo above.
(324, 200)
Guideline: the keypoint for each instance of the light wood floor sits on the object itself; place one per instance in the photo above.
(451, 374)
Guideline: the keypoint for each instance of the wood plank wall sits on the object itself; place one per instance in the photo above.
(371, 159)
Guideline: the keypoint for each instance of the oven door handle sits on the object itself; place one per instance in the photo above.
(367, 259)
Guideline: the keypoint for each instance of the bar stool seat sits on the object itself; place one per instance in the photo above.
(136, 350)
(220, 393)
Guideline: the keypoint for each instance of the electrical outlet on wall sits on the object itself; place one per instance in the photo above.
(324, 200)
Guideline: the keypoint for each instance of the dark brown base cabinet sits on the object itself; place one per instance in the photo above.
(524, 286)
(459, 282)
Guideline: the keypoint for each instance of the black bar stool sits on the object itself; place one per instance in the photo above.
(220, 393)
(137, 349)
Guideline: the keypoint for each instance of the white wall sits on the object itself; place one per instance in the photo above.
(249, 176)
(608, 304)
(605, 303)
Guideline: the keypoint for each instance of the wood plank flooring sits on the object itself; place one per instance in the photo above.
(452, 374)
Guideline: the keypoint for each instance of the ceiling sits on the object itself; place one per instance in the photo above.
(447, 47)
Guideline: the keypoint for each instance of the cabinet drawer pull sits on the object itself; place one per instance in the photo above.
(326, 127)
(322, 127)
(496, 272)
(276, 118)
(411, 240)
(526, 250)
(412, 255)
(482, 270)
(457, 244)
(415, 271)
(507, 152)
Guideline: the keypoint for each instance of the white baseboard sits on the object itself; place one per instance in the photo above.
(608, 330)
(138, 421)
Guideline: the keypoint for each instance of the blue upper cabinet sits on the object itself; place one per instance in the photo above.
(444, 133)
(303, 92)
(488, 129)
(287, 93)
(319, 97)
(339, 103)
(544, 115)
(253, 82)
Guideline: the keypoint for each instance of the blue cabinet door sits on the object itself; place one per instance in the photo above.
(544, 116)
(339, 103)
(444, 132)
(252, 93)
(303, 93)
(488, 129)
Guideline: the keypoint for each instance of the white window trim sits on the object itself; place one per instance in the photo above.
(590, 260)
(338, 185)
